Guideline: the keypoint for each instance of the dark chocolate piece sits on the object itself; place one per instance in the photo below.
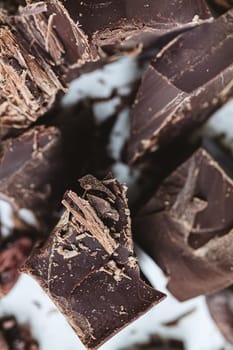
(37, 49)
(186, 227)
(14, 336)
(13, 255)
(187, 81)
(221, 309)
(43, 48)
(30, 171)
(158, 343)
(127, 24)
(88, 266)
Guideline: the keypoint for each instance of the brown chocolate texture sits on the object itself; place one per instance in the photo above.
(30, 166)
(14, 336)
(187, 227)
(45, 43)
(88, 267)
(13, 255)
(126, 24)
(187, 81)
(226, 4)
(37, 48)
(221, 309)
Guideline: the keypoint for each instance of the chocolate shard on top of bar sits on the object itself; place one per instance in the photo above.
(221, 310)
(187, 81)
(14, 336)
(30, 169)
(37, 48)
(187, 227)
(88, 266)
(126, 24)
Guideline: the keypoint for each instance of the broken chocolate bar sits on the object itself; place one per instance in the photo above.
(88, 266)
(187, 81)
(126, 24)
(37, 48)
(14, 336)
(42, 48)
(186, 227)
(221, 310)
(30, 169)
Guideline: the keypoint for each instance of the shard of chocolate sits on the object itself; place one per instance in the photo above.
(88, 267)
(187, 225)
(30, 170)
(14, 336)
(221, 309)
(127, 24)
(37, 48)
(187, 81)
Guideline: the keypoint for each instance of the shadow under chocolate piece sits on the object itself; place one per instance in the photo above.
(187, 227)
(225, 4)
(221, 309)
(126, 24)
(187, 81)
(158, 343)
(31, 170)
(14, 336)
(38, 47)
(88, 267)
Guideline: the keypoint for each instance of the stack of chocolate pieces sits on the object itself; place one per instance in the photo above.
(83, 254)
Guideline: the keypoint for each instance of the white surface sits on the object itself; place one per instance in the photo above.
(101, 83)
(221, 124)
(6, 218)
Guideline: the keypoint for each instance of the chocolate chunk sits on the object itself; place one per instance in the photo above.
(14, 336)
(37, 47)
(30, 170)
(13, 255)
(88, 265)
(186, 227)
(126, 24)
(221, 309)
(187, 81)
